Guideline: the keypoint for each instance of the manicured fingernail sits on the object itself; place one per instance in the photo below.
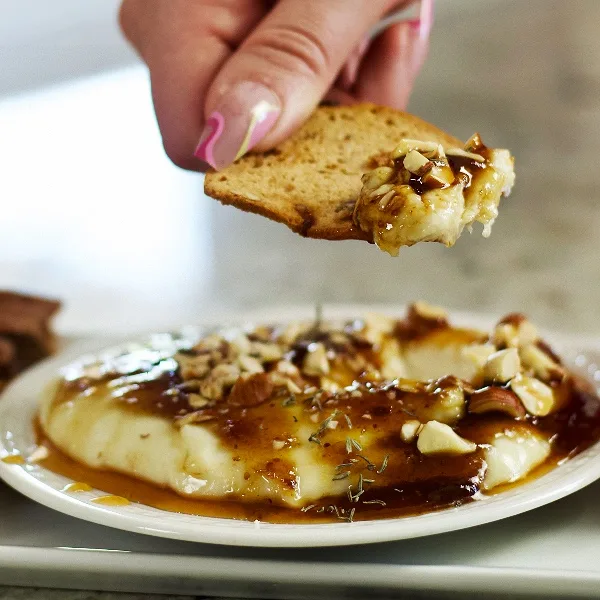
(243, 117)
(420, 31)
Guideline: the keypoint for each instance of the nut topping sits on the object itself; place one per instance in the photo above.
(537, 397)
(241, 344)
(430, 312)
(494, 399)
(479, 353)
(250, 364)
(474, 144)
(405, 146)
(198, 401)
(540, 363)
(514, 331)
(221, 377)
(266, 351)
(377, 177)
(252, 391)
(426, 193)
(439, 438)
(416, 163)
(458, 152)
(409, 430)
(315, 362)
(502, 366)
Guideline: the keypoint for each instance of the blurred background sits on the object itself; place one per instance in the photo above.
(93, 213)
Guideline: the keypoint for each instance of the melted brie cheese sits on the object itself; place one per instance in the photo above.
(401, 208)
(294, 453)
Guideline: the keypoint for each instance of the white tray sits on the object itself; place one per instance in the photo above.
(552, 552)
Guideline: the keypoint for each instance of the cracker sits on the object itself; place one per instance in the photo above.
(311, 181)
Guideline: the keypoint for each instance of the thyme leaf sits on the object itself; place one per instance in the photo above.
(384, 464)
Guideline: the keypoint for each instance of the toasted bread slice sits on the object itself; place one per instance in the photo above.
(311, 182)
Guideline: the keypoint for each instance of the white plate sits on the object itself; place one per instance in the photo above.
(17, 410)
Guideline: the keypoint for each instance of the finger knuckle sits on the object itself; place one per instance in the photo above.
(128, 16)
(178, 156)
(294, 49)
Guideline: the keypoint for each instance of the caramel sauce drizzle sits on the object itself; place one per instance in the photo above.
(429, 483)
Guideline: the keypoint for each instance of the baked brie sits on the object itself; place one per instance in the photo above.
(423, 192)
(369, 418)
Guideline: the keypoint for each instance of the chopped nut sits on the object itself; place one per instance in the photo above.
(278, 444)
(464, 154)
(197, 401)
(377, 177)
(193, 367)
(193, 417)
(409, 430)
(292, 332)
(406, 145)
(440, 175)
(249, 364)
(292, 387)
(266, 351)
(416, 163)
(221, 377)
(385, 193)
(315, 361)
(241, 344)
(280, 380)
(494, 399)
(514, 333)
(450, 404)
(40, 453)
(537, 397)
(252, 391)
(474, 144)
(338, 338)
(439, 438)
(262, 333)
(332, 424)
(287, 368)
(429, 311)
(478, 353)
(540, 363)
(329, 385)
(502, 366)
(210, 342)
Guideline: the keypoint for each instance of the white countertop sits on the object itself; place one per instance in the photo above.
(93, 213)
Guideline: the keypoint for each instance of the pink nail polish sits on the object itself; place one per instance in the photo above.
(426, 18)
(420, 30)
(244, 115)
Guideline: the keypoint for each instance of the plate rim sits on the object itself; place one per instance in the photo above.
(243, 533)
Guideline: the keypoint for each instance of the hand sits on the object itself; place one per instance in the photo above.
(230, 75)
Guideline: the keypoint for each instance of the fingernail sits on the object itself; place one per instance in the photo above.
(243, 117)
(408, 41)
(420, 31)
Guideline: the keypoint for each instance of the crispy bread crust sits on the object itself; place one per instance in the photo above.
(311, 181)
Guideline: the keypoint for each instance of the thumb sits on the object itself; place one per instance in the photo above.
(280, 73)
